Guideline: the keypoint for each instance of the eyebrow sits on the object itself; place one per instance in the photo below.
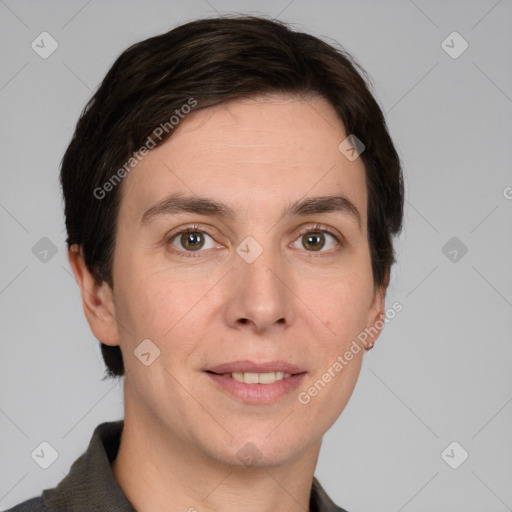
(177, 203)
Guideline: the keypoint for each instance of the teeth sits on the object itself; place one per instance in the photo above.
(258, 378)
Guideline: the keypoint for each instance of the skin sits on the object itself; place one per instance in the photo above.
(182, 432)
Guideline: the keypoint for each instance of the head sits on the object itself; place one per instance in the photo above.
(230, 128)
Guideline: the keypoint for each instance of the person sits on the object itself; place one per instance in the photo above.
(231, 197)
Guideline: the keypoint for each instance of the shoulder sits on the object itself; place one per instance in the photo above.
(320, 500)
(32, 505)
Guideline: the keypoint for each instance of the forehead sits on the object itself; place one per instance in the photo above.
(266, 150)
(282, 128)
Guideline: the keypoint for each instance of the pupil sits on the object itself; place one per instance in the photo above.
(314, 241)
(191, 240)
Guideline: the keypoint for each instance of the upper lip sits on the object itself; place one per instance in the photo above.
(250, 366)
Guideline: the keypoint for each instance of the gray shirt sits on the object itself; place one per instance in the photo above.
(90, 485)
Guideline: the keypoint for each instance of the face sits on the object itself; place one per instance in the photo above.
(264, 271)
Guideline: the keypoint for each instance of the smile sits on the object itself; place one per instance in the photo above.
(256, 388)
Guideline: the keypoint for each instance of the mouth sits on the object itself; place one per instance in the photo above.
(250, 372)
(256, 382)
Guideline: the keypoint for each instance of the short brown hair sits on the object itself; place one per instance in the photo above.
(213, 61)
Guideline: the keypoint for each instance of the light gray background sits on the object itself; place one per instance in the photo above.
(440, 372)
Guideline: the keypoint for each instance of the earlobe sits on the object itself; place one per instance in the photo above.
(97, 299)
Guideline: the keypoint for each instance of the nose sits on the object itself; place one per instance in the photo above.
(259, 295)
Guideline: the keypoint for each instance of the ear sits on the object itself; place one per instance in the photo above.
(376, 313)
(97, 299)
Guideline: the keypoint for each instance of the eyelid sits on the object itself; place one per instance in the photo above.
(320, 227)
(191, 228)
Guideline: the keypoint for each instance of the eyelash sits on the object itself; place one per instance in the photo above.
(196, 228)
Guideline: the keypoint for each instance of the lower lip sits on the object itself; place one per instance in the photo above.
(258, 393)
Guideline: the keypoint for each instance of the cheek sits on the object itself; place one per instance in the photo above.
(341, 301)
(162, 307)
(345, 301)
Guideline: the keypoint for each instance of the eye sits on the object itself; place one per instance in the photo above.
(194, 240)
(191, 240)
(314, 240)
